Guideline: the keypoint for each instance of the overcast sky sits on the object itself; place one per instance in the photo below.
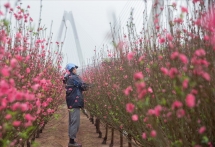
(92, 20)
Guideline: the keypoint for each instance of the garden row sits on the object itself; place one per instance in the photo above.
(30, 83)
(159, 89)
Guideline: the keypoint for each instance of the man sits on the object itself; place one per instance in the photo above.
(74, 100)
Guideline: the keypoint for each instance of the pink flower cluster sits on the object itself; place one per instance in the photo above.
(30, 89)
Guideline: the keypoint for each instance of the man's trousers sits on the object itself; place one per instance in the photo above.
(74, 122)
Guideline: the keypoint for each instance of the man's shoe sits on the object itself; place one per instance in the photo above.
(74, 145)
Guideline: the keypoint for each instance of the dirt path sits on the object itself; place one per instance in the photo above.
(55, 133)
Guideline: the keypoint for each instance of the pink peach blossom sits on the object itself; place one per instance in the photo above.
(7, 5)
(1, 13)
(171, 45)
(130, 107)
(205, 62)
(176, 104)
(28, 70)
(206, 76)
(141, 58)
(184, 9)
(130, 56)
(200, 52)
(151, 112)
(183, 58)
(13, 62)
(150, 90)
(18, 35)
(164, 70)
(144, 135)
(138, 76)
(156, 20)
(142, 93)
(35, 86)
(24, 107)
(202, 130)
(145, 119)
(178, 20)
(5, 72)
(8, 116)
(169, 37)
(120, 45)
(206, 38)
(172, 72)
(148, 70)
(174, 55)
(190, 100)
(194, 91)
(140, 86)
(160, 57)
(195, 1)
(157, 110)
(29, 117)
(180, 113)
(153, 133)
(174, 4)
(169, 114)
(16, 123)
(185, 83)
(127, 90)
(161, 40)
(28, 124)
(4, 103)
(135, 117)
(18, 57)
(44, 104)
(149, 126)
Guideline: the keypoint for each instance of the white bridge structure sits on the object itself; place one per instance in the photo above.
(68, 16)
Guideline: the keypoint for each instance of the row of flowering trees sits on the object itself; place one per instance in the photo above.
(30, 87)
(160, 91)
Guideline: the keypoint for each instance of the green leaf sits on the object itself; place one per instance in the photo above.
(146, 101)
(139, 105)
(163, 101)
(56, 116)
(193, 143)
(35, 144)
(6, 24)
(141, 62)
(177, 89)
(23, 135)
(11, 112)
(177, 143)
(205, 139)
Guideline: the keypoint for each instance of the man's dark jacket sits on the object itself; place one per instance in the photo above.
(74, 97)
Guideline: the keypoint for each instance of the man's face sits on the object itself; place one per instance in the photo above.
(74, 71)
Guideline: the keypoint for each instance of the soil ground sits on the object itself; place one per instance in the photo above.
(55, 133)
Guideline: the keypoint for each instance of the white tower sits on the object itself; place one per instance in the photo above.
(69, 16)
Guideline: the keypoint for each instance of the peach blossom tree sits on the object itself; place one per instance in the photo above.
(160, 92)
(30, 77)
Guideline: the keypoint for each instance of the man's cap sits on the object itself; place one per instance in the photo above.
(70, 66)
